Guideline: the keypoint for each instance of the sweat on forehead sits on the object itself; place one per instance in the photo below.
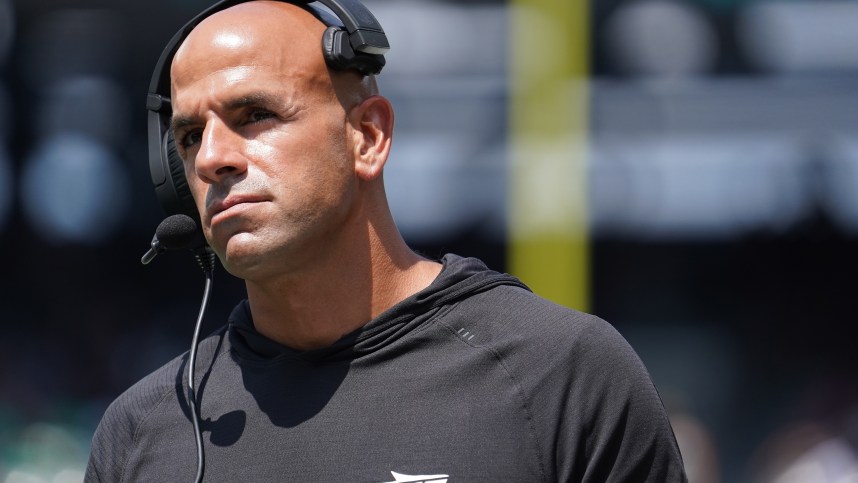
(256, 30)
(277, 11)
(266, 37)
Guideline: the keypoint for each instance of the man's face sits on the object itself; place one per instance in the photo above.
(263, 137)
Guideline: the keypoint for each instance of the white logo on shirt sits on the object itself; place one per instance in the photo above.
(400, 478)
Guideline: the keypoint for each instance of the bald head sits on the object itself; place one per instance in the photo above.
(283, 157)
(273, 34)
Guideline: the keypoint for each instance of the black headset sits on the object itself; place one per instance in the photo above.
(358, 43)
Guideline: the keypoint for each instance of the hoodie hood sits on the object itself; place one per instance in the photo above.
(459, 278)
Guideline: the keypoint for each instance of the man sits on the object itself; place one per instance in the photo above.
(353, 358)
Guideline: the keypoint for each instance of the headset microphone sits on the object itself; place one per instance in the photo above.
(174, 233)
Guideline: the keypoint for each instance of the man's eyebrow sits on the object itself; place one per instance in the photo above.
(261, 99)
(257, 99)
(178, 122)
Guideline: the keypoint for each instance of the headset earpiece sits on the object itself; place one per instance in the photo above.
(340, 55)
(176, 169)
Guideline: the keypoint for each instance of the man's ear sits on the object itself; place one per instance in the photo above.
(372, 125)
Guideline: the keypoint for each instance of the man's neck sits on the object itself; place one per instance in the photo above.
(338, 294)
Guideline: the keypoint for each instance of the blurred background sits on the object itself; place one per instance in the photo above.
(692, 169)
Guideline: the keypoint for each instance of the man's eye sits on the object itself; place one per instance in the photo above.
(189, 139)
(260, 115)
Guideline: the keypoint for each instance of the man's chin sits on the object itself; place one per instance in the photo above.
(240, 255)
(246, 268)
(248, 258)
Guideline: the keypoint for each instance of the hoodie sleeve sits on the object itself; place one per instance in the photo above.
(110, 446)
(117, 434)
(595, 410)
(618, 419)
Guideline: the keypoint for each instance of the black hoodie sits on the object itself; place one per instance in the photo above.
(472, 379)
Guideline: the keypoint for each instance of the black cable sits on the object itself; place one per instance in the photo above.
(192, 359)
(173, 233)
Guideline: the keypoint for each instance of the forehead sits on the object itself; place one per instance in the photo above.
(253, 40)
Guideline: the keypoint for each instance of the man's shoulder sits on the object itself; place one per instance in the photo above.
(120, 425)
(533, 335)
(147, 393)
(582, 383)
(517, 312)
(126, 417)
(122, 418)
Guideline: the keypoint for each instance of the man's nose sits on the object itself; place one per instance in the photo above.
(220, 154)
